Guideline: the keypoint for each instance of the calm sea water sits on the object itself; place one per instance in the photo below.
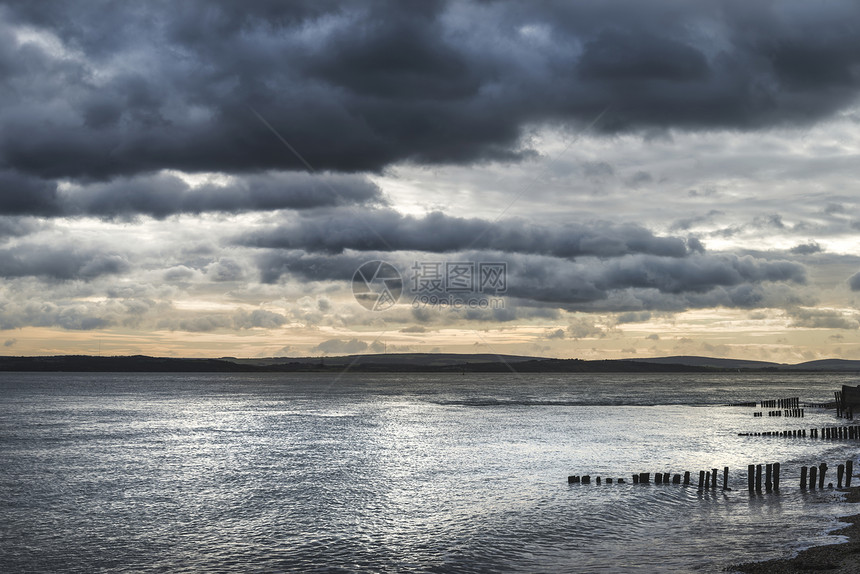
(399, 473)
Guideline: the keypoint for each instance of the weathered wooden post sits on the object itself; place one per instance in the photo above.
(750, 476)
(598, 480)
(701, 479)
(803, 470)
(635, 479)
(586, 479)
(822, 470)
(676, 479)
(686, 478)
(813, 473)
(644, 478)
(849, 469)
(608, 481)
(840, 470)
(758, 478)
(658, 478)
(776, 476)
(726, 478)
(768, 483)
(665, 478)
(714, 478)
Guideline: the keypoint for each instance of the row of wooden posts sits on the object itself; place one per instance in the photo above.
(789, 403)
(841, 410)
(708, 479)
(786, 413)
(843, 470)
(831, 433)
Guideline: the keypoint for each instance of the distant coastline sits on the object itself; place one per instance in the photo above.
(415, 362)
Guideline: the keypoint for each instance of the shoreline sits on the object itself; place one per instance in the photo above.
(837, 558)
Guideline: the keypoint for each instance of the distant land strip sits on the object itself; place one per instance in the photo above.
(412, 362)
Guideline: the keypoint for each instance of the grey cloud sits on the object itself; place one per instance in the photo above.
(161, 195)
(56, 263)
(628, 283)
(633, 317)
(823, 319)
(854, 282)
(9, 342)
(384, 230)
(258, 318)
(339, 346)
(241, 319)
(361, 85)
(65, 314)
(584, 328)
(225, 269)
(806, 248)
(413, 329)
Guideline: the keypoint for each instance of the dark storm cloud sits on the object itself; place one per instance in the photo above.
(161, 195)
(627, 283)
(385, 230)
(135, 88)
(59, 264)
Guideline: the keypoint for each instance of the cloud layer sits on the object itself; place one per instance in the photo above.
(95, 92)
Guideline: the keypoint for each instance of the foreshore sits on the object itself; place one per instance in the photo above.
(837, 558)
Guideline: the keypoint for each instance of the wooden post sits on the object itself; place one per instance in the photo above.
(598, 480)
(768, 483)
(701, 479)
(608, 481)
(840, 470)
(644, 478)
(813, 473)
(726, 478)
(803, 470)
(776, 476)
(665, 478)
(658, 478)
(586, 479)
(750, 476)
(714, 478)
(758, 478)
(849, 470)
(676, 479)
(635, 479)
(822, 470)
(686, 478)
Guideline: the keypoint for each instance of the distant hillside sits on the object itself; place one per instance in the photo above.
(712, 362)
(411, 362)
(404, 359)
(827, 365)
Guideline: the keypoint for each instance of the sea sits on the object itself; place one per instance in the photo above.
(350, 472)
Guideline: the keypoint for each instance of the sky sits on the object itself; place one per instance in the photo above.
(594, 180)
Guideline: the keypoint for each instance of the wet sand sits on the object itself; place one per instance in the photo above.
(837, 558)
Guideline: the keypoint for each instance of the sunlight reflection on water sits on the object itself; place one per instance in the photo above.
(391, 472)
